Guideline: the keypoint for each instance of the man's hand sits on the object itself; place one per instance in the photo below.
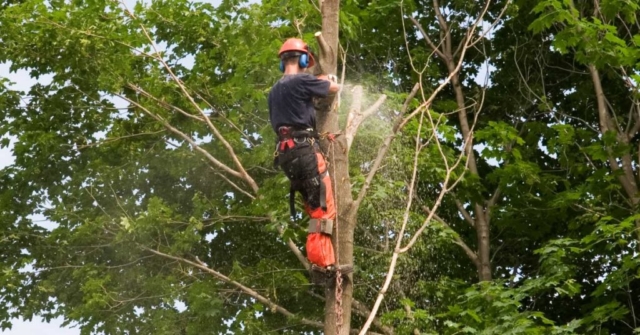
(334, 88)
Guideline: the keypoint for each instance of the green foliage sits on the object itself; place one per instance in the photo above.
(117, 185)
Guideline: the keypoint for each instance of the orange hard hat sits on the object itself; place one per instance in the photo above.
(297, 45)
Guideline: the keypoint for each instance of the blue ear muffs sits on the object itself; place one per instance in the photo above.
(303, 61)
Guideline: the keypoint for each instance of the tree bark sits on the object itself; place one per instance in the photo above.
(327, 121)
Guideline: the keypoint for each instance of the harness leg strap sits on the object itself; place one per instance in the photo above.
(292, 202)
(324, 226)
(323, 193)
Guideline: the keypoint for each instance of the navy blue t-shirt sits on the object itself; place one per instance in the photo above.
(291, 101)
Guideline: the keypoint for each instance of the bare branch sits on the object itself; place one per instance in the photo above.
(164, 104)
(202, 266)
(495, 23)
(233, 125)
(296, 251)
(355, 118)
(400, 123)
(384, 148)
(465, 214)
(234, 185)
(241, 171)
(444, 28)
(492, 202)
(405, 220)
(184, 136)
(362, 310)
(426, 37)
(470, 253)
(453, 71)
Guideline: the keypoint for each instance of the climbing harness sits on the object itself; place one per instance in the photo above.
(296, 155)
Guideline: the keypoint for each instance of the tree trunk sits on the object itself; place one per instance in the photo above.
(481, 223)
(327, 120)
(484, 255)
(627, 178)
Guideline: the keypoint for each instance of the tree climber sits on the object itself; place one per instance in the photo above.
(298, 153)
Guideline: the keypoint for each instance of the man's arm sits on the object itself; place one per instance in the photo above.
(334, 87)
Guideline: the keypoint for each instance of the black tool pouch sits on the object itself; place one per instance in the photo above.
(300, 165)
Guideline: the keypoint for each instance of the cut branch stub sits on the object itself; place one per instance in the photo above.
(325, 49)
(323, 52)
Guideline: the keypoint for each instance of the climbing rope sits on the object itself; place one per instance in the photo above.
(338, 291)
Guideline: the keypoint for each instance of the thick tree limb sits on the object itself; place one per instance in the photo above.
(202, 266)
(357, 94)
(627, 179)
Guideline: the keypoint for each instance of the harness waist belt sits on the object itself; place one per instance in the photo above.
(324, 226)
(286, 132)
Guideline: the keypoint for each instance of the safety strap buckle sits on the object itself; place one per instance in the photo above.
(324, 226)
